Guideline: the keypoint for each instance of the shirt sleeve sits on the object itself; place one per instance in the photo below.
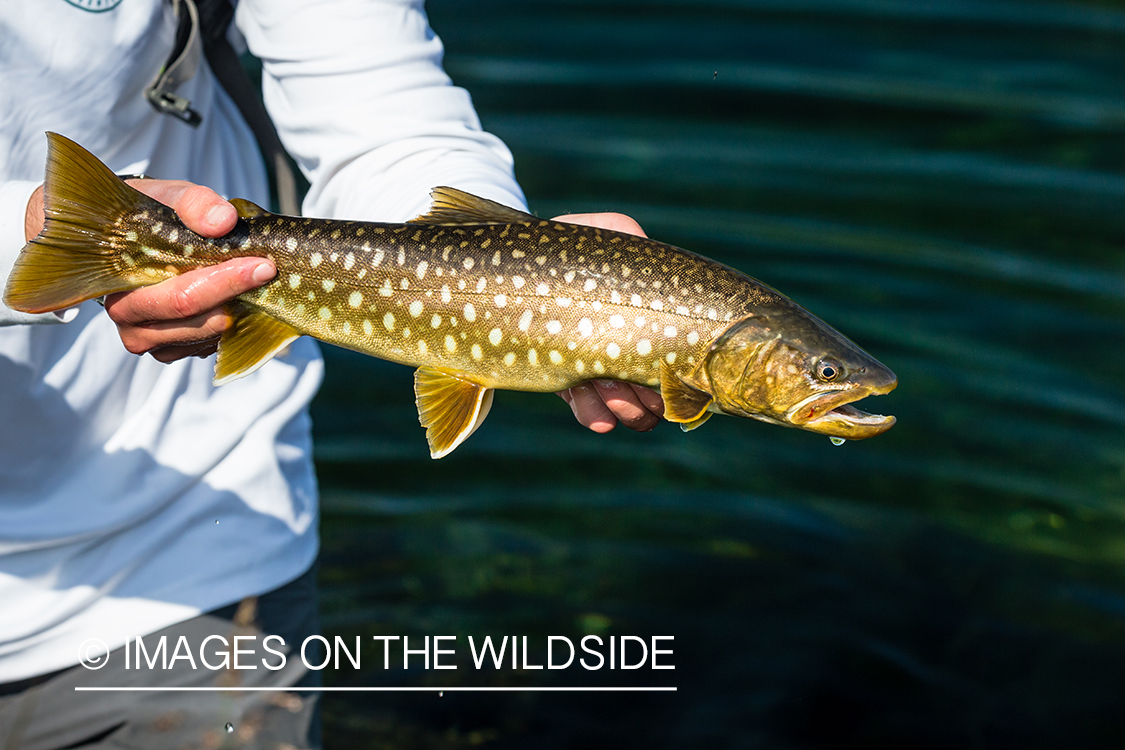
(14, 196)
(359, 98)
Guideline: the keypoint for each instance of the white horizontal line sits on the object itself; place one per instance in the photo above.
(235, 689)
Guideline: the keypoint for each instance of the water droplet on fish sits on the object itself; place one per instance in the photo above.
(837, 440)
(229, 727)
(441, 694)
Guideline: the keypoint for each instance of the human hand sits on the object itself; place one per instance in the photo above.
(601, 404)
(183, 316)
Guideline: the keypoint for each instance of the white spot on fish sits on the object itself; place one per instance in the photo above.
(386, 289)
(388, 322)
(294, 280)
(644, 347)
(517, 282)
(585, 327)
(657, 305)
(172, 236)
(421, 269)
(468, 263)
(669, 331)
(347, 328)
(599, 368)
(415, 308)
(636, 300)
(477, 353)
(613, 350)
(378, 258)
(316, 259)
(510, 359)
(291, 244)
(579, 366)
(349, 261)
(640, 321)
(131, 236)
(693, 338)
(355, 299)
(532, 356)
(450, 344)
(422, 348)
(589, 286)
(670, 357)
(563, 301)
(368, 328)
(401, 257)
(500, 300)
(553, 326)
(555, 357)
(328, 284)
(445, 295)
(525, 320)
(495, 336)
(568, 276)
(542, 289)
(616, 321)
(470, 312)
(435, 321)
(325, 313)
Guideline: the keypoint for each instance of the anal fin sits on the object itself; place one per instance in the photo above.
(253, 339)
(682, 402)
(449, 407)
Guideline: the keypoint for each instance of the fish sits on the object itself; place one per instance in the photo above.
(476, 295)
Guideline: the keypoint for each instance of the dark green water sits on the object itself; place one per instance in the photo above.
(944, 182)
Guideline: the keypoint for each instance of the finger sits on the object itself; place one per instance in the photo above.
(200, 208)
(616, 222)
(625, 404)
(33, 217)
(202, 349)
(589, 408)
(190, 294)
(650, 399)
(154, 337)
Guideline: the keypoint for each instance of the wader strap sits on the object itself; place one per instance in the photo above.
(208, 20)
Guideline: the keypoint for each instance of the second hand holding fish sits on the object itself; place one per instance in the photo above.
(184, 316)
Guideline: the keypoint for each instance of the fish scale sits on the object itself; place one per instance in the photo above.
(444, 297)
(476, 295)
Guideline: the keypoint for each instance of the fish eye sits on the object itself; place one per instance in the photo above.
(828, 370)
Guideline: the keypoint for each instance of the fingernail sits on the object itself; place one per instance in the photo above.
(218, 214)
(263, 272)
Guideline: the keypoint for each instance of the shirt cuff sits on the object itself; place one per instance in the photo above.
(14, 196)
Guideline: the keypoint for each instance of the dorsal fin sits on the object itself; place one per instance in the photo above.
(246, 209)
(453, 207)
(683, 402)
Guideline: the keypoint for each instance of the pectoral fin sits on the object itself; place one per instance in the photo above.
(682, 402)
(252, 340)
(449, 407)
(698, 422)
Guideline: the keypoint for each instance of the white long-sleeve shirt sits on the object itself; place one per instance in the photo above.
(134, 494)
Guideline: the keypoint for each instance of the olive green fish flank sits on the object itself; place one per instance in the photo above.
(474, 293)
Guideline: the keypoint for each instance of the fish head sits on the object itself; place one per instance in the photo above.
(786, 366)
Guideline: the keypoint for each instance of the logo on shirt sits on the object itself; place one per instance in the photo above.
(95, 6)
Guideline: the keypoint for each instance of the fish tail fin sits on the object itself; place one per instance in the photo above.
(78, 255)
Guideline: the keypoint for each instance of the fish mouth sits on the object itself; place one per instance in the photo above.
(834, 414)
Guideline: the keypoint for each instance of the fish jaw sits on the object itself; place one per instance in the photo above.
(833, 413)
